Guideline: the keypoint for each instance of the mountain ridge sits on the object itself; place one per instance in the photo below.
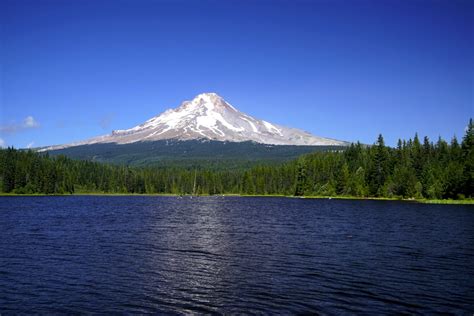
(208, 116)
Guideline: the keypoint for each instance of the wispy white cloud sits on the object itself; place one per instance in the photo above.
(30, 145)
(28, 123)
(2, 143)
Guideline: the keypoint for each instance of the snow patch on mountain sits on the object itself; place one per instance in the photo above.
(209, 116)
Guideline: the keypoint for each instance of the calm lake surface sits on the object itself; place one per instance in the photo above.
(139, 254)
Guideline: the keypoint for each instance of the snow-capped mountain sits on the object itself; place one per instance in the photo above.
(209, 116)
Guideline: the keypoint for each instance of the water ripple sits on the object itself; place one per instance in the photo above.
(214, 255)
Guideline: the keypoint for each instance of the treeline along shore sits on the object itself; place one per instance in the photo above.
(415, 169)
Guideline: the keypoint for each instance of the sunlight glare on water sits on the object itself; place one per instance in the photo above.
(143, 254)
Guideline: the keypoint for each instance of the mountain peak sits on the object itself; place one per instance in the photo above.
(208, 95)
(210, 100)
(209, 116)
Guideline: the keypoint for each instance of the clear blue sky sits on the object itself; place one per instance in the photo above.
(349, 70)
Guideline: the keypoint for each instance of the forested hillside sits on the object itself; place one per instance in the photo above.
(414, 169)
(208, 154)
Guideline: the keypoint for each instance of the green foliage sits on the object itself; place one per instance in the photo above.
(191, 154)
(301, 184)
(379, 167)
(411, 170)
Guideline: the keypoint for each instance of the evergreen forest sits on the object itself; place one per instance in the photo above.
(415, 168)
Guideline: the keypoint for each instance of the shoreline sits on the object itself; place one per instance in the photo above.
(423, 201)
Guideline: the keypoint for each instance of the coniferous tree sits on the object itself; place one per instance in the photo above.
(468, 158)
(379, 167)
(301, 179)
(411, 170)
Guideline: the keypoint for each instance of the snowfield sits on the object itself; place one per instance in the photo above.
(208, 116)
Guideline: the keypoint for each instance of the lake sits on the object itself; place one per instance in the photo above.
(147, 254)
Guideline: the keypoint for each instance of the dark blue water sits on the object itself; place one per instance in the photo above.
(231, 255)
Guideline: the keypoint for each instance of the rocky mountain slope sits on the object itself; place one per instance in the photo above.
(208, 116)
